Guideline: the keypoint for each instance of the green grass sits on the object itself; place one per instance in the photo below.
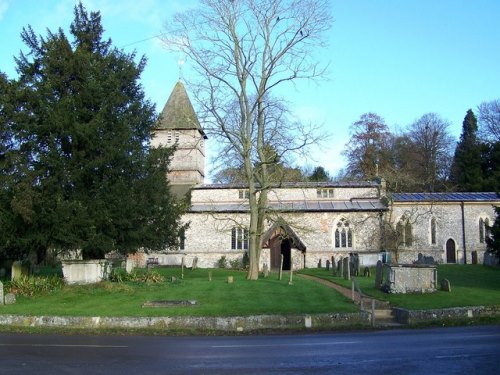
(215, 298)
(471, 285)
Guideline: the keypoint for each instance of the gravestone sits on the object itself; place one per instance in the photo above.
(1, 293)
(10, 298)
(366, 272)
(327, 265)
(445, 285)
(195, 263)
(474, 257)
(174, 279)
(333, 266)
(378, 275)
(319, 264)
(341, 267)
(265, 270)
(209, 275)
(230, 279)
(347, 268)
(17, 270)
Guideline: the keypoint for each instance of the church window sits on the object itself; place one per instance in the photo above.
(343, 234)
(404, 233)
(324, 193)
(243, 194)
(239, 238)
(433, 231)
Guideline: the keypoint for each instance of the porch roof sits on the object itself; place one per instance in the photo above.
(288, 231)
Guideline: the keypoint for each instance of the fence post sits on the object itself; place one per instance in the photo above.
(373, 312)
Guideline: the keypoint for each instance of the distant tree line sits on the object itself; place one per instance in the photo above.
(423, 157)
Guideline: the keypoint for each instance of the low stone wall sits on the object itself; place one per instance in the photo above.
(404, 316)
(221, 324)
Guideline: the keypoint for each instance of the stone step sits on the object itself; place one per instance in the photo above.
(384, 314)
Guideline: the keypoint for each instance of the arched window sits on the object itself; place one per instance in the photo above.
(433, 231)
(343, 234)
(404, 232)
(481, 230)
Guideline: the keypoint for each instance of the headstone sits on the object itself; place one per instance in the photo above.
(195, 263)
(341, 267)
(209, 275)
(265, 270)
(230, 279)
(1, 293)
(290, 282)
(474, 257)
(347, 268)
(281, 268)
(356, 264)
(378, 275)
(174, 279)
(182, 268)
(327, 265)
(319, 264)
(17, 270)
(10, 298)
(333, 266)
(366, 272)
(445, 285)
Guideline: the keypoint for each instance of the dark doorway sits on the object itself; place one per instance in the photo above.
(278, 247)
(450, 251)
(286, 251)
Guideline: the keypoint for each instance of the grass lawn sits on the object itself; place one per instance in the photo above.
(215, 298)
(471, 285)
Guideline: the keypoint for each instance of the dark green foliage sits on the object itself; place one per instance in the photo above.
(493, 240)
(466, 171)
(80, 174)
(319, 174)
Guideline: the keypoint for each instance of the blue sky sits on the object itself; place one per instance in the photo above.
(399, 59)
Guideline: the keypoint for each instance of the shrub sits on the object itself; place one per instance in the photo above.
(235, 264)
(120, 275)
(222, 262)
(30, 286)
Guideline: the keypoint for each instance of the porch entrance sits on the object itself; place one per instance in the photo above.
(281, 246)
(451, 256)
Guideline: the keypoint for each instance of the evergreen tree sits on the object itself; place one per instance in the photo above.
(493, 240)
(466, 168)
(319, 174)
(82, 130)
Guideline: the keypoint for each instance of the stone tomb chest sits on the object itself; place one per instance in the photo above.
(410, 278)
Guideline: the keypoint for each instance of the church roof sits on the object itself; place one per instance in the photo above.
(295, 206)
(178, 112)
(308, 184)
(445, 197)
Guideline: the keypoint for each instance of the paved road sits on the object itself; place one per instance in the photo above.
(470, 350)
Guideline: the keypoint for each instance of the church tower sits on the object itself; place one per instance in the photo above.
(179, 125)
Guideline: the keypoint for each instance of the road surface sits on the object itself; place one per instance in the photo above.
(463, 350)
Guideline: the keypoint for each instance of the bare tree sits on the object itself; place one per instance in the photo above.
(431, 148)
(489, 121)
(243, 50)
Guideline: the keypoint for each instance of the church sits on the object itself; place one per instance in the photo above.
(311, 223)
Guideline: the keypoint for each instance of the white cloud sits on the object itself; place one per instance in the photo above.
(4, 5)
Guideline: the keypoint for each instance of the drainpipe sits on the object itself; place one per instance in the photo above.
(463, 232)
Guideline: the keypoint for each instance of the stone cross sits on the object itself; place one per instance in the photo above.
(378, 275)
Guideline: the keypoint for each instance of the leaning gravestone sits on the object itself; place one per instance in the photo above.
(445, 285)
(1, 293)
(378, 275)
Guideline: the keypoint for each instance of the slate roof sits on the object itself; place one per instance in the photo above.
(310, 184)
(445, 197)
(302, 206)
(178, 112)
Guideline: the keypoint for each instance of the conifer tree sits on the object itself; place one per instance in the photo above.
(82, 130)
(466, 167)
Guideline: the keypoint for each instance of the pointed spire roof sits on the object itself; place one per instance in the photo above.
(178, 112)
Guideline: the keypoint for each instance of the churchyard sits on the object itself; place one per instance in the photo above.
(222, 292)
